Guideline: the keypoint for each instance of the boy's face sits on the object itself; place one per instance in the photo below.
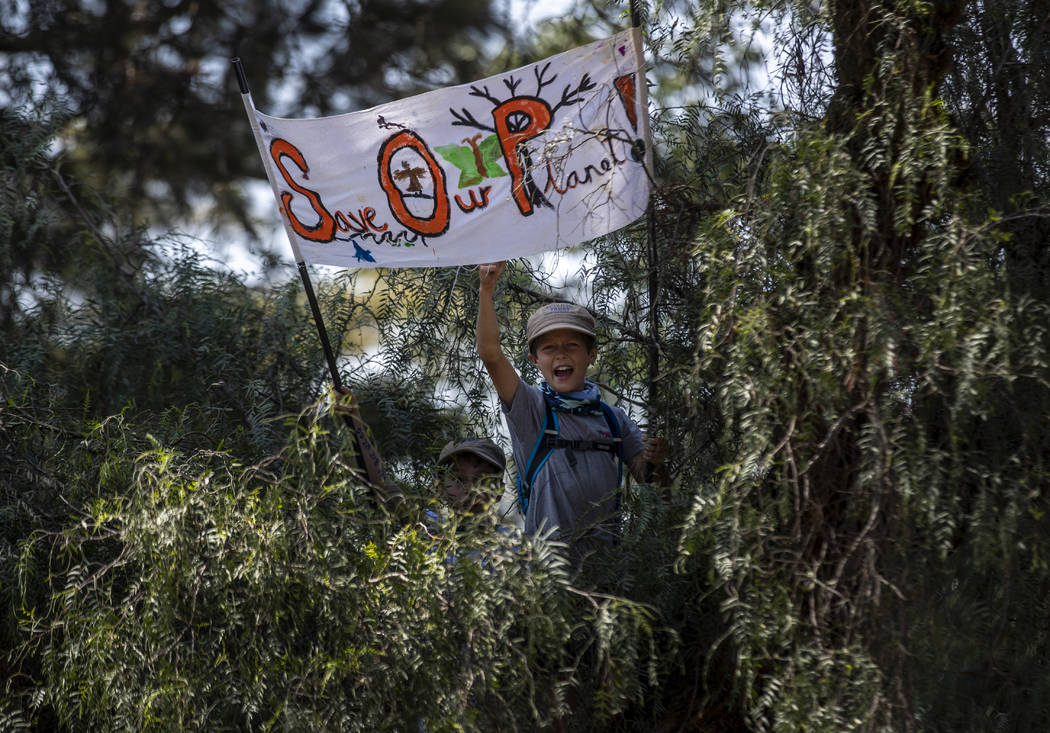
(468, 487)
(562, 356)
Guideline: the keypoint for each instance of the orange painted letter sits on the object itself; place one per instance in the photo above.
(436, 223)
(512, 130)
(323, 230)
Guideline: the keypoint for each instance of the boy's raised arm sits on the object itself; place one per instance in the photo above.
(501, 371)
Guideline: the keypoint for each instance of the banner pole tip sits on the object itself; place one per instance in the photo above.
(242, 80)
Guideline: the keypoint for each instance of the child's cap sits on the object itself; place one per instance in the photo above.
(483, 448)
(559, 315)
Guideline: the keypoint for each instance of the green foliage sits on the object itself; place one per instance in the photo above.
(837, 318)
(1001, 103)
(883, 390)
(197, 593)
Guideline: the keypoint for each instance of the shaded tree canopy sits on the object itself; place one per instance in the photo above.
(155, 115)
(838, 318)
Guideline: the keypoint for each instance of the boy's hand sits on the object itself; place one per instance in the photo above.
(655, 451)
(489, 273)
(648, 464)
(341, 407)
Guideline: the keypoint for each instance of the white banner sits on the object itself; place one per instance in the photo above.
(542, 157)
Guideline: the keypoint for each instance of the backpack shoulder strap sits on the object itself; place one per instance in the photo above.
(545, 444)
(614, 429)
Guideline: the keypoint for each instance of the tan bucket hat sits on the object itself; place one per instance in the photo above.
(483, 448)
(559, 315)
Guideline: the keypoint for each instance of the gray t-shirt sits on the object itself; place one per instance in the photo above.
(573, 498)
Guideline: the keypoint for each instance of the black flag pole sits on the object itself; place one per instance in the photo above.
(368, 457)
(654, 274)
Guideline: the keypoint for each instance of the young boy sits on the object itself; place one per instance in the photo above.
(575, 489)
(471, 471)
(475, 474)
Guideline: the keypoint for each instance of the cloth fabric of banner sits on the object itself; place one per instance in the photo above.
(543, 157)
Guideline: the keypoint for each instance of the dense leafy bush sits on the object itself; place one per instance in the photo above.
(839, 320)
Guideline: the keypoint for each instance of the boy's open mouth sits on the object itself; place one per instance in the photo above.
(563, 371)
